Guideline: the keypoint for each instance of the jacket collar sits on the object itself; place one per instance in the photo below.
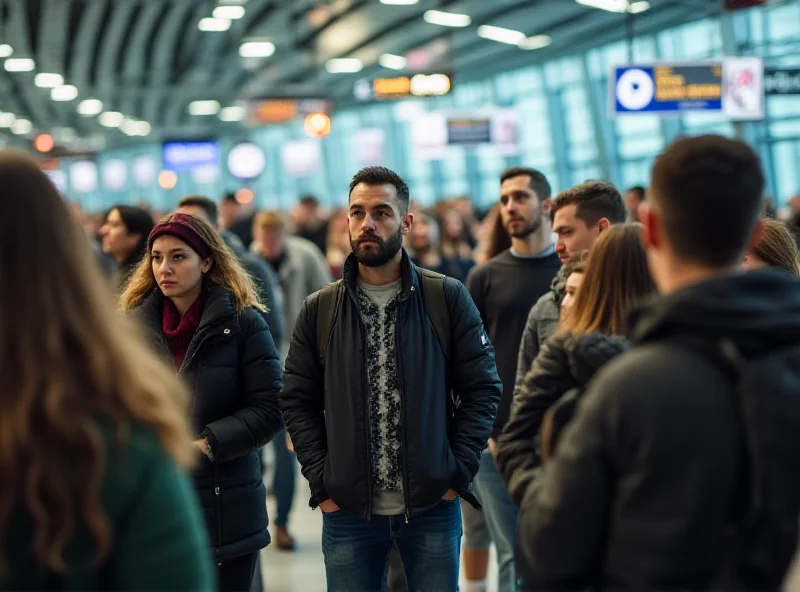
(408, 274)
(218, 305)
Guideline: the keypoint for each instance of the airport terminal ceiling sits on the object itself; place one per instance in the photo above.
(149, 60)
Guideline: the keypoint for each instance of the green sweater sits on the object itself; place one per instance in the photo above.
(159, 538)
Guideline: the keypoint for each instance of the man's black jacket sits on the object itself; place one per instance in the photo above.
(326, 407)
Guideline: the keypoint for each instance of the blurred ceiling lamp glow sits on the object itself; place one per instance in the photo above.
(317, 125)
(228, 12)
(244, 196)
(344, 66)
(204, 107)
(44, 143)
(131, 127)
(6, 50)
(393, 62)
(64, 93)
(21, 126)
(90, 107)
(6, 119)
(447, 19)
(167, 180)
(617, 5)
(214, 24)
(19, 65)
(256, 49)
(535, 42)
(47, 80)
(111, 119)
(501, 35)
(232, 113)
(399, 2)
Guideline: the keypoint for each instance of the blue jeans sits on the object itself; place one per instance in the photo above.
(283, 480)
(501, 517)
(357, 551)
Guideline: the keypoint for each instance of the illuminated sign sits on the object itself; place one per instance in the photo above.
(733, 86)
(281, 110)
(185, 156)
(782, 81)
(402, 87)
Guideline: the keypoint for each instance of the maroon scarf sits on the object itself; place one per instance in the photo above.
(179, 331)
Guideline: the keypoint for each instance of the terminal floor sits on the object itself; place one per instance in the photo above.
(302, 570)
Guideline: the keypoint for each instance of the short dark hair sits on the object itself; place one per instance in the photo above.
(538, 181)
(378, 175)
(229, 197)
(593, 201)
(639, 191)
(308, 200)
(708, 191)
(201, 201)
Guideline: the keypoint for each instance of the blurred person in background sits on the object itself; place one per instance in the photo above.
(104, 260)
(205, 316)
(455, 245)
(94, 435)
(680, 467)
(634, 197)
(125, 239)
(302, 270)
(776, 247)
(310, 222)
(573, 271)
(338, 242)
(422, 243)
(496, 239)
(465, 206)
(616, 279)
(236, 218)
(504, 289)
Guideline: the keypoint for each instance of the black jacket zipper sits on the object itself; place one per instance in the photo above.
(404, 449)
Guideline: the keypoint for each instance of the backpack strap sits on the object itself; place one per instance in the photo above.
(328, 303)
(438, 310)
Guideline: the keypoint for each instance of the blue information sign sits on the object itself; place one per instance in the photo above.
(187, 156)
(667, 88)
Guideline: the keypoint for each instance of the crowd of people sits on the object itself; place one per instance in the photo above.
(605, 387)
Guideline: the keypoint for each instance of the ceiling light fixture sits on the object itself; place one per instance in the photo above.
(232, 113)
(6, 50)
(21, 127)
(393, 62)
(535, 42)
(256, 49)
(617, 5)
(501, 35)
(232, 13)
(90, 107)
(64, 93)
(6, 119)
(399, 2)
(214, 24)
(204, 107)
(19, 65)
(446, 19)
(47, 80)
(111, 119)
(344, 66)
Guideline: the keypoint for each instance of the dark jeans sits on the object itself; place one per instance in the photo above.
(236, 575)
(357, 551)
(283, 481)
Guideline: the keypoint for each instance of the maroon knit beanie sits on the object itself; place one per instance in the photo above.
(178, 226)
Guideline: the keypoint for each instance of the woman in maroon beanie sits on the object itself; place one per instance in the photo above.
(207, 319)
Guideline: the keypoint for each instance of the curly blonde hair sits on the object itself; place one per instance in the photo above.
(225, 270)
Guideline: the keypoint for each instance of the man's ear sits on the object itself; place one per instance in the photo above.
(408, 221)
(547, 207)
(651, 237)
(603, 224)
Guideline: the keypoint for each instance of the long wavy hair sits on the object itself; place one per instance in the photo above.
(225, 270)
(615, 279)
(67, 359)
(778, 248)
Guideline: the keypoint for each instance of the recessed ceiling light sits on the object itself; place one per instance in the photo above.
(501, 35)
(204, 107)
(19, 65)
(393, 62)
(47, 80)
(229, 12)
(232, 113)
(6, 50)
(616, 5)
(256, 49)
(64, 93)
(90, 107)
(6, 119)
(447, 19)
(111, 119)
(535, 42)
(399, 2)
(344, 66)
(214, 24)
(638, 7)
(21, 127)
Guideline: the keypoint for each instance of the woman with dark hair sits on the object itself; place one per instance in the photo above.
(125, 239)
(94, 430)
(205, 316)
(776, 248)
(616, 278)
(497, 239)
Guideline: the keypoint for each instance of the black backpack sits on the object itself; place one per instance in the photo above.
(330, 302)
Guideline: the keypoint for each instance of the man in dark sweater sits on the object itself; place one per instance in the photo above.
(504, 290)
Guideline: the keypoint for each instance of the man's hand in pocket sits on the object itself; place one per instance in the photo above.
(328, 506)
(450, 495)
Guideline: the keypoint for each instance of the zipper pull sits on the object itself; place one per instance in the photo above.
(406, 517)
(216, 491)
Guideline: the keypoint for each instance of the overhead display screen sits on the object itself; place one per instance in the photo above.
(186, 156)
(402, 87)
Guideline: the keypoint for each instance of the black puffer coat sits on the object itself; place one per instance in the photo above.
(563, 368)
(233, 370)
